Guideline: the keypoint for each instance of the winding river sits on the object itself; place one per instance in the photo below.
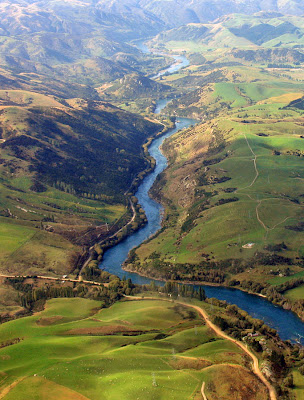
(288, 325)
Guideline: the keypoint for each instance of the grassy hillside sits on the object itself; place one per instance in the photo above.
(65, 166)
(81, 352)
(134, 87)
(232, 190)
(176, 12)
(236, 31)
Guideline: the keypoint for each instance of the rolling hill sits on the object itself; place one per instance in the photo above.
(77, 40)
(134, 86)
(239, 31)
(180, 12)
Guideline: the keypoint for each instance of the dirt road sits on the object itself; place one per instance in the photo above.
(255, 366)
(54, 279)
(219, 332)
(203, 391)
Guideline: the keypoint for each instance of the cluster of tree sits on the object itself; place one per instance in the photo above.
(122, 229)
(10, 342)
(225, 201)
(293, 283)
(280, 356)
(157, 268)
(64, 187)
(276, 247)
(277, 298)
(249, 286)
(93, 273)
(297, 228)
(174, 289)
(285, 66)
(214, 161)
(30, 296)
(237, 322)
(48, 218)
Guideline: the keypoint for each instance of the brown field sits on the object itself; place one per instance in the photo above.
(233, 383)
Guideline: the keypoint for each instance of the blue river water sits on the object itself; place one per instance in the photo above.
(114, 257)
(179, 61)
(288, 325)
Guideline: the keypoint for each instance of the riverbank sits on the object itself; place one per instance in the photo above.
(94, 252)
(114, 258)
(268, 292)
(194, 283)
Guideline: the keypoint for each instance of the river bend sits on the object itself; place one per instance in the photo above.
(288, 325)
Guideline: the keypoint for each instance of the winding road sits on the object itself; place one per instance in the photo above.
(255, 361)
(219, 332)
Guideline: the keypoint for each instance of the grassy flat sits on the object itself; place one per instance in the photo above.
(13, 236)
(295, 294)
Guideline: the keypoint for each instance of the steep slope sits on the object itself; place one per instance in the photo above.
(79, 40)
(135, 86)
(64, 168)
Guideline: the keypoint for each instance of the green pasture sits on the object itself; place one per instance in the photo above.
(299, 385)
(12, 236)
(244, 94)
(274, 197)
(282, 279)
(295, 294)
(75, 350)
(27, 248)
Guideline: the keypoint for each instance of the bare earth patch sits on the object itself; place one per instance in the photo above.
(189, 363)
(45, 321)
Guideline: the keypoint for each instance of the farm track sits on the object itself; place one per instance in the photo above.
(259, 202)
(203, 391)
(7, 389)
(219, 332)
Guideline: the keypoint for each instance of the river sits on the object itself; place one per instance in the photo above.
(288, 325)
(179, 61)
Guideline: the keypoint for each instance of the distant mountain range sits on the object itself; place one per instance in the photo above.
(120, 18)
(180, 12)
(240, 31)
(87, 41)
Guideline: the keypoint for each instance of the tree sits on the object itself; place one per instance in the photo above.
(288, 381)
(202, 295)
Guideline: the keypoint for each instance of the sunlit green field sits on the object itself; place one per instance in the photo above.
(295, 294)
(262, 161)
(150, 348)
